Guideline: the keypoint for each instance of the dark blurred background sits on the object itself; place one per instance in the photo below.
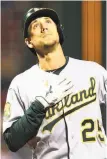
(15, 56)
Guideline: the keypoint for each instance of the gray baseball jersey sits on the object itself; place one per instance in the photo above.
(81, 110)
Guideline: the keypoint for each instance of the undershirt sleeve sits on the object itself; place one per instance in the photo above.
(25, 128)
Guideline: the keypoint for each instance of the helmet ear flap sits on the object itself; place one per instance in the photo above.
(32, 50)
(60, 31)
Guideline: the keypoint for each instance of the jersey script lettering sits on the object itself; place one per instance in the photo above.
(72, 102)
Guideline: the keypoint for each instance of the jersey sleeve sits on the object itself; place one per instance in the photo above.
(103, 85)
(13, 109)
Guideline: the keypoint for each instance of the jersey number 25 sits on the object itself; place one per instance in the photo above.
(91, 130)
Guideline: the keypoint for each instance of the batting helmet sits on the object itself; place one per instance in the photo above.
(34, 13)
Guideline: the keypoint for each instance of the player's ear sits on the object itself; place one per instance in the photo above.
(28, 43)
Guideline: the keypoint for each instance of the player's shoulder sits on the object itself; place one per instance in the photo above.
(23, 76)
(82, 62)
(85, 64)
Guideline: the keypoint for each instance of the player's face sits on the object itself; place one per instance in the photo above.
(43, 33)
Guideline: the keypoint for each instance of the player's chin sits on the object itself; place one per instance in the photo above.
(50, 42)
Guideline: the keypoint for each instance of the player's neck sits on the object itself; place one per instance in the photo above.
(53, 60)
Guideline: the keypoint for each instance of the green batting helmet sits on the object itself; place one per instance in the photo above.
(34, 13)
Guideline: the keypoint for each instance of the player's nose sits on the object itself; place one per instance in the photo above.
(44, 27)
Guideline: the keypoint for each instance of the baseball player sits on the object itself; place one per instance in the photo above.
(54, 107)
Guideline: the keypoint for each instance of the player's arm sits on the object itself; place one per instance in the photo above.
(19, 129)
(25, 128)
(19, 126)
